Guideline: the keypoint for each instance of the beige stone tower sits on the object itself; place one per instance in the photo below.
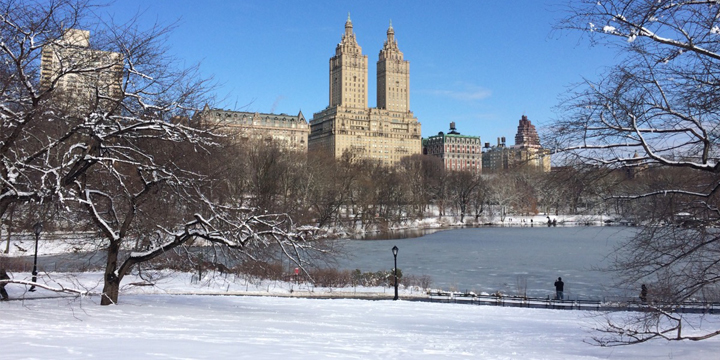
(393, 76)
(348, 126)
(348, 72)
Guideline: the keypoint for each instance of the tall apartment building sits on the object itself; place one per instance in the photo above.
(85, 77)
(386, 133)
(527, 152)
(458, 152)
(289, 131)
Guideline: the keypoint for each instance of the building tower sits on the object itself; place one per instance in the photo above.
(526, 153)
(348, 72)
(526, 135)
(386, 133)
(393, 76)
(86, 77)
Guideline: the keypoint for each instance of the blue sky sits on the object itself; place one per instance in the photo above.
(482, 64)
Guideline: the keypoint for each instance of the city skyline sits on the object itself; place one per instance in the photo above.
(482, 65)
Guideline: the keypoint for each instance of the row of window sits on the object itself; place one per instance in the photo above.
(462, 140)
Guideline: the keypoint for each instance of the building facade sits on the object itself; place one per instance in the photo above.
(458, 152)
(635, 168)
(289, 131)
(386, 133)
(527, 152)
(84, 76)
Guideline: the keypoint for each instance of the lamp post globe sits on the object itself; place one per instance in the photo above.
(37, 228)
(395, 252)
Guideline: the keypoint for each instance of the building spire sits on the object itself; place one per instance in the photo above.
(348, 26)
(390, 48)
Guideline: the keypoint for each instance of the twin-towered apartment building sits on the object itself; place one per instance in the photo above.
(390, 131)
(386, 133)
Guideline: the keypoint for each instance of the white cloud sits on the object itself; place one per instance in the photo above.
(464, 92)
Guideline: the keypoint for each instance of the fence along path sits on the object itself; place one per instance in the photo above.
(594, 305)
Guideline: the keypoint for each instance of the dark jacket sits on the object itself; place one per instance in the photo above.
(3, 276)
(559, 285)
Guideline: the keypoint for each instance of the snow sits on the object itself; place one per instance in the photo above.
(608, 29)
(12, 175)
(49, 244)
(212, 283)
(151, 323)
(165, 315)
(451, 221)
(232, 327)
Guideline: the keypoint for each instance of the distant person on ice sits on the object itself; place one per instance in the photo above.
(559, 284)
(643, 293)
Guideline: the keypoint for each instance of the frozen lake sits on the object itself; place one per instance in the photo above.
(501, 258)
(486, 259)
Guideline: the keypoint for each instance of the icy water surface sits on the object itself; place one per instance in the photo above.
(502, 259)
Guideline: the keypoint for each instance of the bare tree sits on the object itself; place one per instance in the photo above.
(266, 166)
(329, 186)
(502, 194)
(32, 167)
(462, 186)
(657, 109)
(112, 146)
(576, 188)
(526, 182)
(481, 197)
(423, 175)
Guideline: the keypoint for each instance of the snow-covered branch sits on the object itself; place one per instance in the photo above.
(59, 288)
(651, 123)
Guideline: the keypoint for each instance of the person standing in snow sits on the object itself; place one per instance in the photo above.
(643, 293)
(3, 293)
(559, 286)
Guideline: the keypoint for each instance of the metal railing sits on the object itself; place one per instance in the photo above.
(577, 304)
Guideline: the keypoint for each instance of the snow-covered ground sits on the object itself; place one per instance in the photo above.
(181, 317)
(241, 327)
(171, 283)
(150, 323)
(23, 244)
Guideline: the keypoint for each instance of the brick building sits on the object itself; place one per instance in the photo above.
(526, 153)
(458, 152)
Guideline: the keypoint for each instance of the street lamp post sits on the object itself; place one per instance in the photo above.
(395, 251)
(37, 228)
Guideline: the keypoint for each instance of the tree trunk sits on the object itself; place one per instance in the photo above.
(7, 246)
(111, 287)
(9, 226)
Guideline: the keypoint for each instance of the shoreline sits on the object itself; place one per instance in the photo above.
(425, 226)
